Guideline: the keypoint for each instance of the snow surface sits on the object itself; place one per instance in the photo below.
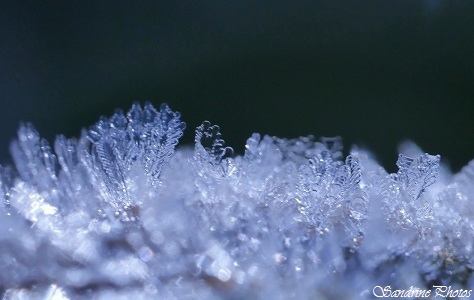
(118, 213)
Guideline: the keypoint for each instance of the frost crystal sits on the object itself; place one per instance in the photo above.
(416, 174)
(209, 145)
(145, 135)
(119, 213)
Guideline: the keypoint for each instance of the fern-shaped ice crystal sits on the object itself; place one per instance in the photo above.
(144, 135)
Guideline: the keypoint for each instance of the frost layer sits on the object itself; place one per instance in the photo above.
(119, 213)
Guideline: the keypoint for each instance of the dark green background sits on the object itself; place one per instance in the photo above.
(373, 72)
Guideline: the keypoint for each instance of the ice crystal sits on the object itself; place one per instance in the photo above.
(145, 135)
(416, 174)
(209, 145)
(118, 213)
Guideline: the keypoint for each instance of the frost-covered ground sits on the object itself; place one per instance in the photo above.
(119, 213)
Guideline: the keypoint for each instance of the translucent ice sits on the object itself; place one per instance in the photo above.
(118, 213)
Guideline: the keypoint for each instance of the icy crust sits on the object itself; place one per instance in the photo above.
(119, 213)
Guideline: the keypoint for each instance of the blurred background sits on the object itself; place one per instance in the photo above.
(373, 72)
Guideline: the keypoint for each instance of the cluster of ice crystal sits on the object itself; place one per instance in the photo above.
(119, 213)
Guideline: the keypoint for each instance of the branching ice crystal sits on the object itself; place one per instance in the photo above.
(416, 174)
(145, 135)
(118, 213)
(209, 145)
(329, 193)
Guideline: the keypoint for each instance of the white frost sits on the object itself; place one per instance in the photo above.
(119, 212)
